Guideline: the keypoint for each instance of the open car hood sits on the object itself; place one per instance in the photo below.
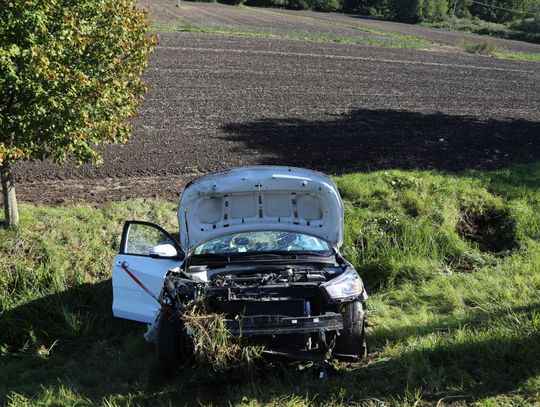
(248, 199)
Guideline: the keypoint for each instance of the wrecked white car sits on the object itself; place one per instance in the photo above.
(261, 244)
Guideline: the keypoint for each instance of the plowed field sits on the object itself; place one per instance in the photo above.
(217, 101)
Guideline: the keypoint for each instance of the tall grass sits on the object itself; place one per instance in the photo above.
(452, 264)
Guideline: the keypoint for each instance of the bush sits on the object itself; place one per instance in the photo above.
(326, 5)
(529, 25)
(267, 3)
(407, 10)
(501, 10)
(476, 47)
(434, 10)
(299, 4)
(414, 11)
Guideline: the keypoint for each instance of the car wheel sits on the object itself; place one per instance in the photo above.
(351, 341)
(170, 342)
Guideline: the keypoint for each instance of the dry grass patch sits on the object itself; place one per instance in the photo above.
(213, 344)
(479, 47)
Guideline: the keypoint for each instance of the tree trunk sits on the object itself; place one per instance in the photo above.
(10, 200)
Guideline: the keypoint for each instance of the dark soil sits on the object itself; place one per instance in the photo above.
(491, 232)
(165, 12)
(222, 101)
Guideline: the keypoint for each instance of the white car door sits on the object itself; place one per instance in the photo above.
(130, 301)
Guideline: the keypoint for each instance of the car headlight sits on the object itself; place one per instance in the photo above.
(346, 286)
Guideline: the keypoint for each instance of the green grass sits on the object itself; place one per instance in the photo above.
(396, 36)
(490, 49)
(518, 56)
(387, 39)
(524, 30)
(452, 263)
(390, 41)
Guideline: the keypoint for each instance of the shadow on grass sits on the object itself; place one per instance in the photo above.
(72, 339)
(103, 357)
(379, 139)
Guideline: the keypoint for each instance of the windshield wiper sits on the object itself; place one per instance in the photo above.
(278, 254)
(297, 254)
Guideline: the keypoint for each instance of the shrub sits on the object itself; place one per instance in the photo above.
(299, 4)
(326, 5)
(408, 10)
(478, 47)
(413, 11)
(434, 10)
(529, 25)
(267, 3)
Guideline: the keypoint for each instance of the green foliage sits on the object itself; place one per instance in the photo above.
(69, 76)
(414, 11)
(317, 5)
(326, 5)
(503, 10)
(529, 25)
(522, 30)
(267, 3)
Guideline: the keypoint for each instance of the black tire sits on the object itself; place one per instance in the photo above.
(352, 338)
(170, 342)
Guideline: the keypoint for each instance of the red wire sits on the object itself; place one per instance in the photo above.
(166, 307)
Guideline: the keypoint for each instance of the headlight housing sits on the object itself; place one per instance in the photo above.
(346, 286)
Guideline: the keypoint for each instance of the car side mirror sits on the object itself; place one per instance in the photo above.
(163, 251)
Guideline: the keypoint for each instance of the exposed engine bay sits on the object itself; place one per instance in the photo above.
(286, 308)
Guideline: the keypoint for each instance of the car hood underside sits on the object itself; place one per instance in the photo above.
(260, 198)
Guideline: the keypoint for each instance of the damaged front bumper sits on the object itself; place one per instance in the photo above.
(282, 325)
(295, 338)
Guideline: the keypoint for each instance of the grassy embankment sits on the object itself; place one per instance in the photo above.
(452, 264)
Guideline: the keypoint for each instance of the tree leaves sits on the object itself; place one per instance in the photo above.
(70, 76)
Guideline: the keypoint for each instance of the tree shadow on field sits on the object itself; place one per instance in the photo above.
(366, 139)
(76, 345)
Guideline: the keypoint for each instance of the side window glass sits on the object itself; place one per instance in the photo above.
(141, 238)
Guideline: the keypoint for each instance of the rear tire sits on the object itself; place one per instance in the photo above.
(352, 338)
(170, 342)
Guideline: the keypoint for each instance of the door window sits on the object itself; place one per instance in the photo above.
(139, 238)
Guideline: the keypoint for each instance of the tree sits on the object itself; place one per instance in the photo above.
(70, 78)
